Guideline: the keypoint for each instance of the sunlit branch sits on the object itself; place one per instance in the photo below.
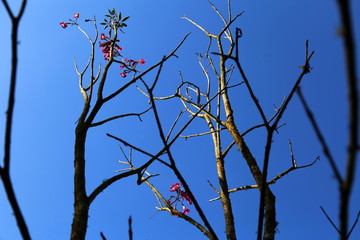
(190, 220)
(272, 181)
(200, 27)
(173, 125)
(227, 27)
(81, 76)
(202, 134)
(228, 32)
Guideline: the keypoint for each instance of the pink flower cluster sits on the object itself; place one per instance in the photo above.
(129, 65)
(181, 195)
(106, 47)
(65, 24)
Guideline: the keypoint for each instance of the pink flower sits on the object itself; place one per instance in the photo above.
(76, 15)
(185, 195)
(102, 36)
(175, 187)
(64, 24)
(142, 61)
(122, 66)
(185, 210)
(107, 56)
(123, 74)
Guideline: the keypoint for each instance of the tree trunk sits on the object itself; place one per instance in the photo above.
(81, 202)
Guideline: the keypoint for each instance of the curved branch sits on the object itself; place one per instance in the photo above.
(119, 116)
(106, 183)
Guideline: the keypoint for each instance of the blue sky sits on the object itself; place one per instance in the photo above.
(273, 45)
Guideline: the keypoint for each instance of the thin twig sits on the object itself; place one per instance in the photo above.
(119, 116)
(327, 216)
(200, 27)
(140, 150)
(272, 181)
(212, 186)
(353, 226)
(173, 125)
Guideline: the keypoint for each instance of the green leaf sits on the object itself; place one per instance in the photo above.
(126, 18)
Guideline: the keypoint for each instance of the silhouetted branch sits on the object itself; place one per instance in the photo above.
(102, 236)
(353, 103)
(269, 140)
(5, 170)
(120, 116)
(130, 228)
(327, 216)
(320, 136)
(353, 226)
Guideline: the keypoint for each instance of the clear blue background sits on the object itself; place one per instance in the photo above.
(48, 104)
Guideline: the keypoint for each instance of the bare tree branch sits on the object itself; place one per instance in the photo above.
(353, 101)
(320, 136)
(272, 181)
(5, 170)
(327, 216)
(120, 116)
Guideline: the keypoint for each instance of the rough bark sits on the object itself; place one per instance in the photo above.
(81, 202)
